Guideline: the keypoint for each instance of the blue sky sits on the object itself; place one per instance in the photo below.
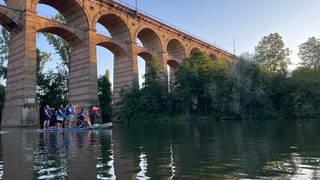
(218, 21)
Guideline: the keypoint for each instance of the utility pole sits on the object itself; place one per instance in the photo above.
(137, 5)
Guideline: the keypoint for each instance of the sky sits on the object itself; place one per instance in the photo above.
(247, 21)
(221, 21)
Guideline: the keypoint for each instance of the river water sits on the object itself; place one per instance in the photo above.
(189, 150)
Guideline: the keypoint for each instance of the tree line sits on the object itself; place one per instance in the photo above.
(251, 86)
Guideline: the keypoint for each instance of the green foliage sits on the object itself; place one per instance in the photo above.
(52, 88)
(250, 90)
(148, 102)
(61, 46)
(42, 58)
(305, 93)
(309, 53)
(272, 55)
(105, 96)
(2, 98)
(4, 52)
(194, 79)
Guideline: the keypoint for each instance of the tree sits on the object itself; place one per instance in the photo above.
(42, 58)
(194, 79)
(148, 102)
(272, 55)
(309, 53)
(61, 46)
(105, 96)
(306, 94)
(4, 52)
(53, 87)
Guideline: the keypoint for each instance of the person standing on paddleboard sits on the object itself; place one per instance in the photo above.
(47, 115)
(60, 116)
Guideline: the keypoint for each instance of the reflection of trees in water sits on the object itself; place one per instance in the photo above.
(105, 165)
(56, 149)
(142, 174)
(50, 159)
(1, 158)
(218, 150)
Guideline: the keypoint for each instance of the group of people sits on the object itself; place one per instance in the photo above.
(69, 117)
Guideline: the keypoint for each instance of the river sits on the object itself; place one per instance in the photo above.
(265, 149)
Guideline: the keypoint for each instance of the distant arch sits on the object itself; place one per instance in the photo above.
(176, 49)
(145, 55)
(116, 26)
(113, 47)
(150, 40)
(65, 34)
(71, 10)
(173, 64)
(194, 50)
(213, 57)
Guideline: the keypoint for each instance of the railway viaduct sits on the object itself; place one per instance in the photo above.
(125, 25)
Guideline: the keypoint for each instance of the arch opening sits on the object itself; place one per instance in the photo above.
(176, 50)
(194, 51)
(107, 55)
(143, 59)
(50, 12)
(105, 72)
(102, 30)
(71, 11)
(116, 27)
(139, 43)
(213, 57)
(4, 53)
(149, 40)
(66, 35)
(172, 66)
(105, 63)
(53, 59)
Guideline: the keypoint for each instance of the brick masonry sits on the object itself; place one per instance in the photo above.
(125, 26)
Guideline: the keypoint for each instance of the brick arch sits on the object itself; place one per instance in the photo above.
(150, 40)
(72, 10)
(116, 49)
(194, 50)
(64, 33)
(145, 55)
(175, 49)
(173, 63)
(7, 20)
(214, 57)
(116, 26)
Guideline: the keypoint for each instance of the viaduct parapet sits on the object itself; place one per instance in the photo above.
(125, 25)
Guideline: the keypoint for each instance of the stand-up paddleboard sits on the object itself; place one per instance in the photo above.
(99, 126)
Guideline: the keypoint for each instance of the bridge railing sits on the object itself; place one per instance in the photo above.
(132, 8)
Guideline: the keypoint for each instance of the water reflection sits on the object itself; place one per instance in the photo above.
(171, 165)
(105, 165)
(64, 154)
(142, 174)
(213, 150)
(50, 159)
